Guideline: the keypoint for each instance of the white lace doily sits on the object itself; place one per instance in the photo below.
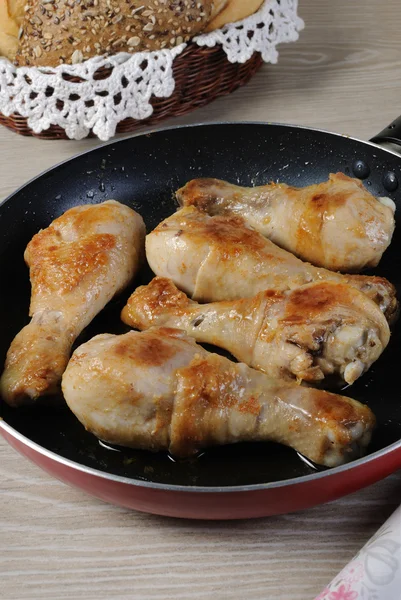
(45, 97)
(276, 22)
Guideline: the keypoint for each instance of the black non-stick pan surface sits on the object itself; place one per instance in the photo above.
(144, 172)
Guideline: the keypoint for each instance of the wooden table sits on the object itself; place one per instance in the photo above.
(56, 542)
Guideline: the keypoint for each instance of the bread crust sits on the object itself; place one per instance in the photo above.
(232, 11)
(70, 31)
(9, 27)
(53, 32)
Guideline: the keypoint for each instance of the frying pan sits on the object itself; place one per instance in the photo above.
(239, 481)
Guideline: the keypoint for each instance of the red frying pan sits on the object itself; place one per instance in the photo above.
(239, 481)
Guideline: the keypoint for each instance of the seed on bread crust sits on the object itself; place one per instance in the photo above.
(104, 24)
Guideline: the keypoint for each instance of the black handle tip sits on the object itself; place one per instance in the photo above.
(391, 134)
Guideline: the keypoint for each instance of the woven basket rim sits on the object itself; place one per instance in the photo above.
(193, 89)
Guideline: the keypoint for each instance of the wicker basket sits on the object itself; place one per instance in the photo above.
(201, 75)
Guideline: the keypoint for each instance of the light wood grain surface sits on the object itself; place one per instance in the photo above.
(57, 542)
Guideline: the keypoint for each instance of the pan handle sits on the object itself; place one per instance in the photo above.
(390, 134)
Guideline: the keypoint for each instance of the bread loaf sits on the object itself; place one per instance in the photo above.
(11, 13)
(232, 11)
(8, 43)
(70, 31)
(15, 9)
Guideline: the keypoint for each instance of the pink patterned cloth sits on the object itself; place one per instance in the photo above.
(375, 572)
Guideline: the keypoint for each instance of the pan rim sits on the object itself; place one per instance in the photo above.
(256, 487)
(193, 126)
(194, 488)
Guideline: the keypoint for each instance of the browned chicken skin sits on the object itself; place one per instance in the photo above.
(320, 329)
(336, 224)
(77, 265)
(219, 258)
(158, 390)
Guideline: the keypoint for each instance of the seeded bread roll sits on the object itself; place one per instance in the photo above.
(70, 31)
